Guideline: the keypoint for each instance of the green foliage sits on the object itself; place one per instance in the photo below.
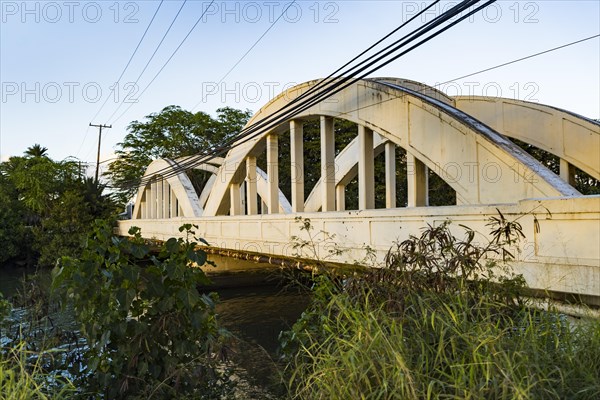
(439, 321)
(13, 233)
(23, 377)
(149, 331)
(5, 308)
(171, 133)
(36, 150)
(442, 347)
(47, 207)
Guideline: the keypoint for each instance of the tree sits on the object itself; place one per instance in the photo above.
(12, 228)
(171, 133)
(47, 209)
(149, 332)
(36, 151)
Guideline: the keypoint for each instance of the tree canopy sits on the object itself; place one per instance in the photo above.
(47, 207)
(170, 133)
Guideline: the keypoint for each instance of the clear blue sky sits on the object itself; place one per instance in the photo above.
(56, 56)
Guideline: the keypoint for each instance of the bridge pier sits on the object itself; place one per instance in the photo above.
(340, 197)
(366, 170)
(390, 175)
(153, 199)
(418, 182)
(273, 173)
(235, 199)
(251, 190)
(297, 165)
(327, 164)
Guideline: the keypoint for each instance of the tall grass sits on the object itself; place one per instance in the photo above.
(438, 323)
(452, 347)
(23, 376)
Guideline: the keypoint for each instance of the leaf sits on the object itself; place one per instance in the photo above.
(201, 256)
(139, 250)
(172, 245)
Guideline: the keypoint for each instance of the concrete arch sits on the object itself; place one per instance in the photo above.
(164, 198)
(191, 205)
(491, 168)
(566, 135)
(418, 87)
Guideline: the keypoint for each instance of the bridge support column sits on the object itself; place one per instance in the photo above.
(418, 182)
(390, 175)
(273, 174)
(235, 199)
(327, 164)
(251, 186)
(165, 199)
(297, 165)
(159, 199)
(148, 205)
(567, 172)
(366, 170)
(243, 198)
(144, 205)
(340, 197)
(174, 204)
(153, 198)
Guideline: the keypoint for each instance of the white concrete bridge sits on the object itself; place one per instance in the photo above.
(464, 140)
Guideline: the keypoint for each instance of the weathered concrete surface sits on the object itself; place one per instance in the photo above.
(569, 136)
(563, 256)
(481, 165)
(461, 139)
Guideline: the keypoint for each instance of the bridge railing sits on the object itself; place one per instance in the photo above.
(560, 252)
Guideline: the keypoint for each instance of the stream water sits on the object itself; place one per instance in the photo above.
(254, 314)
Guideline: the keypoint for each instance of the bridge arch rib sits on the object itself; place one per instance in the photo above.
(564, 134)
(174, 196)
(487, 167)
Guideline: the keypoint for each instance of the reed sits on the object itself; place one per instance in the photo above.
(23, 376)
(438, 323)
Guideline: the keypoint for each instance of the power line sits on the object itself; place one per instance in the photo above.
(522, 58)
(273, 120)
(486, 69)
(491, 68)
(193, 160)
(336, 86)
(133, 54)
(260, 124)
(123, 72)
(250, 49)
(165, 64)
(152, 56)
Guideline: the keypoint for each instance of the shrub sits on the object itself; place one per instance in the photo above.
(439, 322)
(149, 331)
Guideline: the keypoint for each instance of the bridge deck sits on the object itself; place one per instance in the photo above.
(563, 255)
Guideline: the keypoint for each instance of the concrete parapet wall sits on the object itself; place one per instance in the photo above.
(560, 252)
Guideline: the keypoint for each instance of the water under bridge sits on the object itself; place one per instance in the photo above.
(464, 140)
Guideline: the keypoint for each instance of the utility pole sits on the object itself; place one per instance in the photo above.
(99, 140)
